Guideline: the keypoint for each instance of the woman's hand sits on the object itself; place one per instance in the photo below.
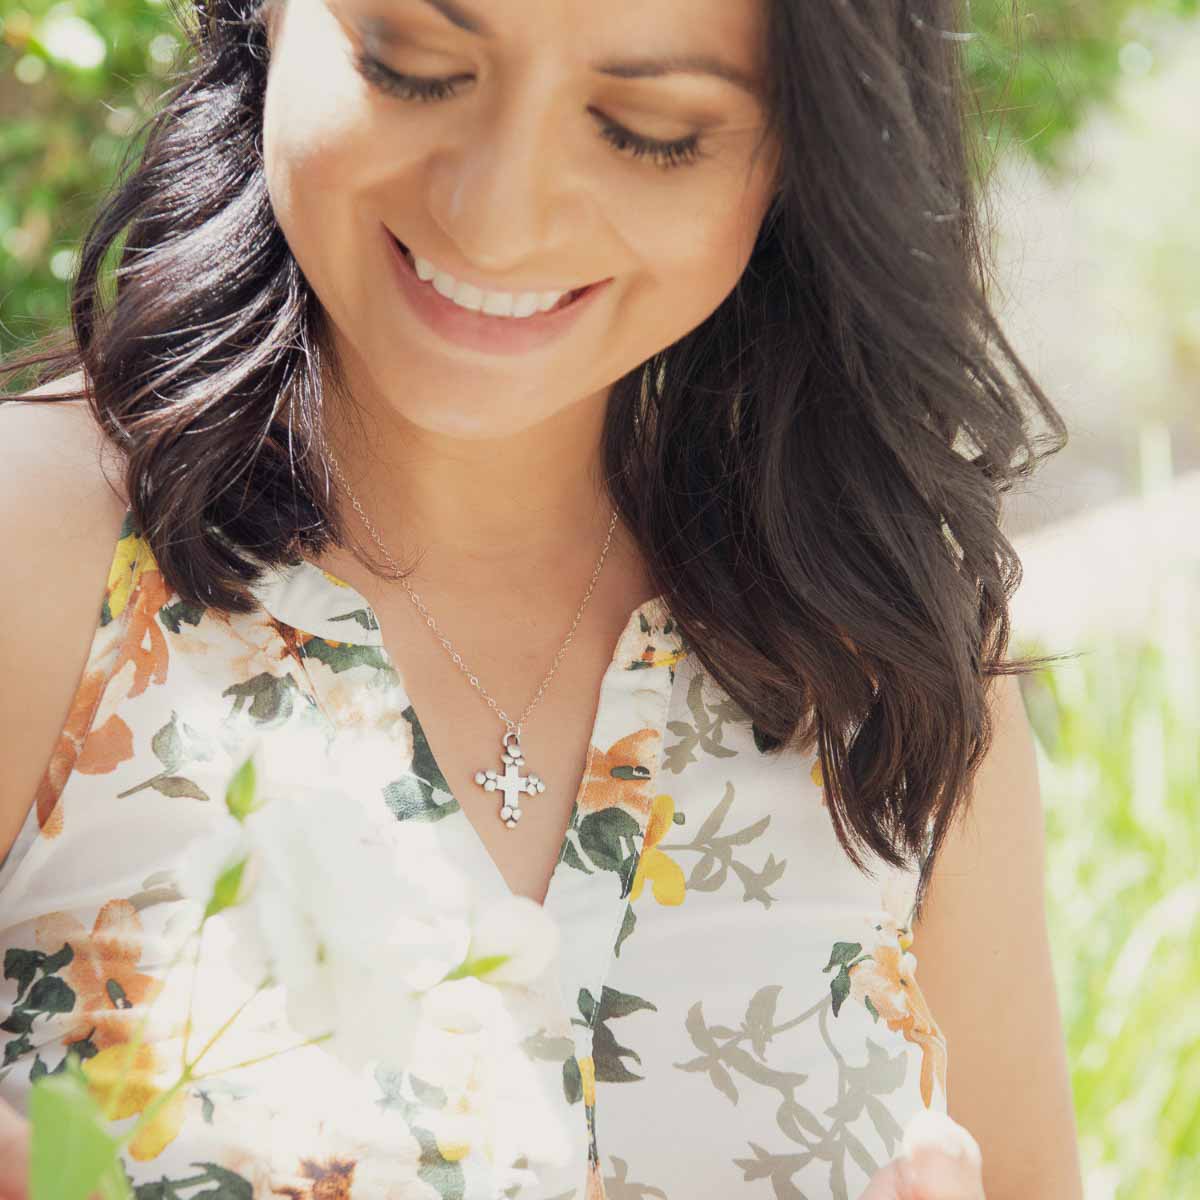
(940, 1161)
(14, 1154)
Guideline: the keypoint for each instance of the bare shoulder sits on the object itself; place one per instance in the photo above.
(984, 967)
(61, 508)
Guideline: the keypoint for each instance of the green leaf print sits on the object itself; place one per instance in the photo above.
(607, 838)
(174, 616)
(573, 858)
(361, 616)
(270, 698)
(82, 1050)
(607, 1052)
(627, 926)
(45, 997)
(411, 1097)
(226, 1185)
(167, 745)
(423, 794)
(22, 965)
(843, 954)
(572, 1080)
(839, 988)
(345, 656)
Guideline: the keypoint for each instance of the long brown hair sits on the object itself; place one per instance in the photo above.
(814, 474)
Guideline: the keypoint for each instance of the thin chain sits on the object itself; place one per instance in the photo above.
(513, 726)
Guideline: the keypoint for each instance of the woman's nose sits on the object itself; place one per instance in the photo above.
(503, 192)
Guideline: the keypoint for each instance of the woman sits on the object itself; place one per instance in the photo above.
(678, 307)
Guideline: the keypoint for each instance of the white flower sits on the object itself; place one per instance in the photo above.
(469, 1045)
(380, 948)
(339, 912)
(520, 930)
(290, 1119)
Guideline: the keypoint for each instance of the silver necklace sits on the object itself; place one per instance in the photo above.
(508, 780)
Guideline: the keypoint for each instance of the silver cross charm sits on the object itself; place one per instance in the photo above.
(511, 783)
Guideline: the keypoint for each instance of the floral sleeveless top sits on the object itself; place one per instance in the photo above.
(738, 1011)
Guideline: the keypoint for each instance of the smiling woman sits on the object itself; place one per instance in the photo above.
(679, 307)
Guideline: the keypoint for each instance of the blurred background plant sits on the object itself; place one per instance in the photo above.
(76, 79)
(1116, 730)
(1087, 127)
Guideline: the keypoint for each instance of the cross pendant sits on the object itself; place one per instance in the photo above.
(512, 783)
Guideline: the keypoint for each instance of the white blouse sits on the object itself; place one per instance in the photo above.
(736, 1010)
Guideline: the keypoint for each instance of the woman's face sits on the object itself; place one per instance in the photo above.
(551, 148)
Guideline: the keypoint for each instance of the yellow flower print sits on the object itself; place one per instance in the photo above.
(818, 777)
(587, 1073)
(653, 656)
(665, 874)
(125, 1085)
(131, 560)
(452, 1129)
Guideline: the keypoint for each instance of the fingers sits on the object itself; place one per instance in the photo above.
(932, 1174)
(929, 1175)
(939, 1160)
(14, 1154)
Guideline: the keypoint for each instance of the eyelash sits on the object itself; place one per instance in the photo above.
(666, 155)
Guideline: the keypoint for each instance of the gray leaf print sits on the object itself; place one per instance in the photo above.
(717, 855)
(707, 730)
(718, 1057)
(723, 1055)
(778, 1168)
(620, 1187)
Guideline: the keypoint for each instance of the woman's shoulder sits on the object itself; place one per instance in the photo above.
(63, 507)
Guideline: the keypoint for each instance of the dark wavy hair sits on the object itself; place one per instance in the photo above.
(813, 474)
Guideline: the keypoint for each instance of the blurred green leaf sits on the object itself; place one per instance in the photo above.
(1120, 769)
(71, 1154)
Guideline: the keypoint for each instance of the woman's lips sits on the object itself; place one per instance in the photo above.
(482, 331)
(566, 299)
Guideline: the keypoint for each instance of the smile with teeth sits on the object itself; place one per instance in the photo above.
(493, 304)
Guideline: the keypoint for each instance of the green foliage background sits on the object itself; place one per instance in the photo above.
(1117, 728)
(64, 123)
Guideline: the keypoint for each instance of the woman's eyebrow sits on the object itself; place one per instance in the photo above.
(645, 67)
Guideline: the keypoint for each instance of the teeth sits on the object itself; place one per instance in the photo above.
(494, 304)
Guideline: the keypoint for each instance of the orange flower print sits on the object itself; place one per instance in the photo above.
(110, 991)
(886, 980)
(621, 776)
(98, 749)
(124, 1082)
(81, 748)
(595, 1184)
(145, 644)
(664, 873)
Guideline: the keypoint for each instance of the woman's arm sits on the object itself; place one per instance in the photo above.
(984, 966)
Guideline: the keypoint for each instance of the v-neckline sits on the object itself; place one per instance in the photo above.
(315, 602)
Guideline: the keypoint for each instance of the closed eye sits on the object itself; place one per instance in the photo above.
(665, 154)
